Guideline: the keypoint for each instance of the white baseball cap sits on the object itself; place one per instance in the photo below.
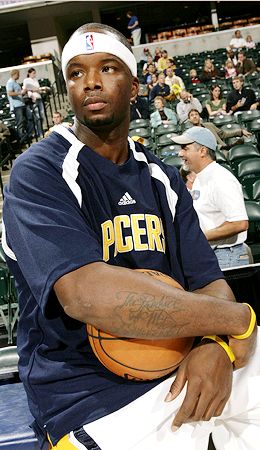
(200, 135)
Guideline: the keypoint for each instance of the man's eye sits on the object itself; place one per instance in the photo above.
(75, 74)
(108, 69)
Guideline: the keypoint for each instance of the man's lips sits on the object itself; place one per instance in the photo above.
(94, 103)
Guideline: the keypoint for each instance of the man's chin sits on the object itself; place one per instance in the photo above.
(97, 122)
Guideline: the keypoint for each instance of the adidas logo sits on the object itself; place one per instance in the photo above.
(126, 200)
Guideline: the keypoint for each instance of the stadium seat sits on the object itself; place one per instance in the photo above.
(8, 361)
(142, 132)
(248, 173)
(165, 129)
(173, 160)
(256, 191)
(249, 116)
(253, 232)
(139, 123)
(169, 150)
(254, 127)
(241, 152)
(222, 120)
(220, 157)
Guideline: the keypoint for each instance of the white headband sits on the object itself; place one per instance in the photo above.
(92, 42)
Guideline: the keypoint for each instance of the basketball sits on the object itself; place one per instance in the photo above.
(140, 359)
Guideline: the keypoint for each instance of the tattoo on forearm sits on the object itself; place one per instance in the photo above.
(147, 315)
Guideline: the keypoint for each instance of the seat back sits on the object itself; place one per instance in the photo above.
(248, 173)
(142, 132)
(256, 191)
(139, 123)
(166, 128)
(253, 212)
(173, 160)
(241, 152)
(223, 120)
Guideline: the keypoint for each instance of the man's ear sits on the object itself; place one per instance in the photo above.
(135, 87)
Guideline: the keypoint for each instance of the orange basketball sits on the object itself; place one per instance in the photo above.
(140, 359)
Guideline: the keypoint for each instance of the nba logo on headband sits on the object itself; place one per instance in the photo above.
(89, 41)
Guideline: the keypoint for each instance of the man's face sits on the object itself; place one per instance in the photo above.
(161, 78)
(158, 103)
(191, 157)
(238, 34)
(241, 57)
(57, 119)
(100, 87)
(194, 118)
(237, 84)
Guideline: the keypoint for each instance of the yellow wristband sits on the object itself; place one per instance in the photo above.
(251, 325)
(223, 344)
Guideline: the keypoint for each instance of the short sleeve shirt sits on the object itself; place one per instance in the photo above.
(66, 206)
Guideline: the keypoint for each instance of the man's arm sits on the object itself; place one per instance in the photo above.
(226, 229)
(125, 302)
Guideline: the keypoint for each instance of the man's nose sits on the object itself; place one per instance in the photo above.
(92, 81)
(181, 152)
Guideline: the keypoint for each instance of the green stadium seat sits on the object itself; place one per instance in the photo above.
(223, 120)
(139, 123)
(248, 173)
(173, 160)
(241, 152)
(142, 132)
(253, 232)
(256, 191)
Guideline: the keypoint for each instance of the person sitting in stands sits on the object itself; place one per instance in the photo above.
(219, 133)
(245, 65)
(148, 62)
(162, 61)
(151, 85)
(162, 115)
(237, 41)
(216, 105)
(147, 74)
(194, 79)
(240, 98)
(176, 83)
(139, 108)
(186, 103)
(209, 71)
(161, 88)
(230, 70)
(57, 119)
(249, 42)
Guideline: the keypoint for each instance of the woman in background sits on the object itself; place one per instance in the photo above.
(216, 105)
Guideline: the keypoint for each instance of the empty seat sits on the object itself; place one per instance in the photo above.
(223, 120)
(256, 190)
(142, 132)
(173, 160)
(169, 150)
(165, 129)
(139, 123)
(248, 172)
(241, 152)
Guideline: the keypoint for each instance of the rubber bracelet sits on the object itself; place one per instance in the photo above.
(223, 344)
(251, 325)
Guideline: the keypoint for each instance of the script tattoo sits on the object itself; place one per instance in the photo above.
(147, 315)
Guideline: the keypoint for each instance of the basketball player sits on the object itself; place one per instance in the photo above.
(83, 208)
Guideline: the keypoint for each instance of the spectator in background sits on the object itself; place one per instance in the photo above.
(219, 133)
(186, 103)
(162, 62)
(188, 177)
(148, 62)
(147, 74)
(145, 57)
(23, 116)
(231, 56)
(33, 91)
(240, 98)
(161, 88)
(134, 27)
(139, 108)
(216, 105)
(209, 71)
(157, 54)
(162, 115)
(237, 41)
(217, 197)
(151, 85)
(230, 70)
(57, 119)
(194, 79)
(249, 42)
(245, 65)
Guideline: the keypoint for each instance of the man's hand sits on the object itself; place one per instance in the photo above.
(243, 349)
(208, 372)
(246, 133)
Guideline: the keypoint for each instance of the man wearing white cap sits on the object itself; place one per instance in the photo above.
(217, 197)
(85, 207)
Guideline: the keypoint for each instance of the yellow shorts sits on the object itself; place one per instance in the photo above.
(77, 439)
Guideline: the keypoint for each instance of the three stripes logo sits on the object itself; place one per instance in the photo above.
(126, 200)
